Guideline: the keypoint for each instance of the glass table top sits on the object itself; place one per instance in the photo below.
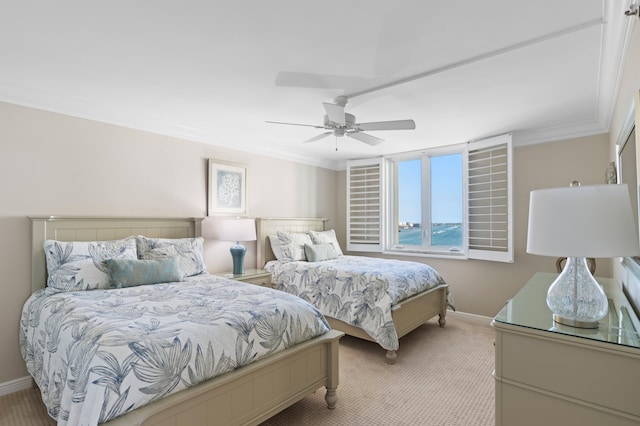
(528, 308)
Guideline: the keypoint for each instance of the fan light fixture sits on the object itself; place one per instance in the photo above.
(580, 222)
(337, 122)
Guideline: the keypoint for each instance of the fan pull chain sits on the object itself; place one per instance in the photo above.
(336, 143)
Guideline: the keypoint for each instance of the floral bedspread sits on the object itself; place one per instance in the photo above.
(357, 290)
(98, 354)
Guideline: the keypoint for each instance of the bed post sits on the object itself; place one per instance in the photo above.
(332, 382)
(442, 320)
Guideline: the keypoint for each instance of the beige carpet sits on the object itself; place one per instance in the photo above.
(442, 377)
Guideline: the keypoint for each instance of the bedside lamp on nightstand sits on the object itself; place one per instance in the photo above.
(580, 222)
(234, 229)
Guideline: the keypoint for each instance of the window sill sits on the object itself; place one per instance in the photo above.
(423, 253)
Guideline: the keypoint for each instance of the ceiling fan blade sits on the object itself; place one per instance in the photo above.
(363, 137)
(387, 125)
(295, 124)
(335, 113)
(317, 138)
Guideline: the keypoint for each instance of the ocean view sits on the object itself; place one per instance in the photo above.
(443, 234)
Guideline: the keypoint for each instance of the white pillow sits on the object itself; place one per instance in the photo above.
(81, 265)
(187, 250)
(320, 252)
(292, 245)
(276, 248)
(326, 237)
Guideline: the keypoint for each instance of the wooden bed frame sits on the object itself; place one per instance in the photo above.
(246, 396)
(407, 315)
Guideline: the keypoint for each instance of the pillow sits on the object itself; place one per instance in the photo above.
(292, 244)
(132, 272)
(187, 250)
(320, 252)
(323, 237)
(276, 247)
(80, 265)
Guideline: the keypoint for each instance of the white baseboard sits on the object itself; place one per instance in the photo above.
(15, 385)
(472, 318)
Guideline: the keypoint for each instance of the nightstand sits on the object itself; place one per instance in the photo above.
(252, 276)
(549, 373)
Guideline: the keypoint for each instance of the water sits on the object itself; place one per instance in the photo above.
(446, 234)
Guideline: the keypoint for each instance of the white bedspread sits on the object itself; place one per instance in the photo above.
(357, 290)
(98, 354)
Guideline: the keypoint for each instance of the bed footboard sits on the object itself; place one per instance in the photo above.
(407, 316)
(251, 394)
(415, 311)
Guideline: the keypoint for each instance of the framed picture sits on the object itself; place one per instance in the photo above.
(227, 188)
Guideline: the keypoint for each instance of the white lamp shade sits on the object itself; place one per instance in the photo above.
(582, 221)
(231, 229)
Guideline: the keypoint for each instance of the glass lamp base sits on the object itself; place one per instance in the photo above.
(575, 297)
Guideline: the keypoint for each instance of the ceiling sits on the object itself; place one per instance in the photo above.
(214, 71)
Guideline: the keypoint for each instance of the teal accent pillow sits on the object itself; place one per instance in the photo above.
(320, 252)
(133, 272)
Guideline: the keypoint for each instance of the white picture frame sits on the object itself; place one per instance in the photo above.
(227, 188)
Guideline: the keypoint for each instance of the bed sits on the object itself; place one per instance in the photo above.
(406, 315)
(281, 355)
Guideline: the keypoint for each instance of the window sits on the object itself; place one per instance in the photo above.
(454, 201)
(428, 203)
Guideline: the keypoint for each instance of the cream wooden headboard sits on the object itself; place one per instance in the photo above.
(269, 226)
(100, 229)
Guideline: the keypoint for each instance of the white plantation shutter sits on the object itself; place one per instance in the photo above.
(490, 230)
(364, 205)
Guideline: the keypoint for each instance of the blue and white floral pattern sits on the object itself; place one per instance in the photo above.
(357, 290)
(98, 354)
(187, 250)
(81, 265)
(324, 237)
(292, 244)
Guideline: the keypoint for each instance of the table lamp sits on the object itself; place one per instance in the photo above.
(578, 222)
(235, 229)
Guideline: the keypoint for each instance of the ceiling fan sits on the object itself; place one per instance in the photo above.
(340, 123)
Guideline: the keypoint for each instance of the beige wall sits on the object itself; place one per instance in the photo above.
(482, 287)
(51, 164)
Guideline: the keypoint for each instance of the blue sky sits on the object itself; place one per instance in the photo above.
(446, 178)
